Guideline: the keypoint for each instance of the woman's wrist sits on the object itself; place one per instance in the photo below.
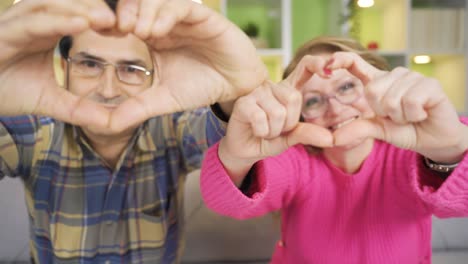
(237, 168)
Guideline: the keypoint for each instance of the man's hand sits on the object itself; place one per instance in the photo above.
(412, 111)
(201, 58)
(30, 31)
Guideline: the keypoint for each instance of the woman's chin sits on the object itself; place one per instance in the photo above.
(352, 145)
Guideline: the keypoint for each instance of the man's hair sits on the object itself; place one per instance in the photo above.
(66, 42)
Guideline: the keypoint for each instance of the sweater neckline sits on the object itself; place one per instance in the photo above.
(361, 173)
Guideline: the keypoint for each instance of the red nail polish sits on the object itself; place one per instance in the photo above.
(327, 71)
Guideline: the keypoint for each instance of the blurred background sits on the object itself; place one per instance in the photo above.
(428, 36)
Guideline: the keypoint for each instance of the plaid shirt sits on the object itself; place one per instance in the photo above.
(81, 211)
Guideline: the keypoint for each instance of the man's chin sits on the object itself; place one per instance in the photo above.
(103, 132)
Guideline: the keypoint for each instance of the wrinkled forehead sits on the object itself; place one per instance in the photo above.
(111, 46)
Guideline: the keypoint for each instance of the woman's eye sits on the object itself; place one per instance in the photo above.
(312, 102)
(346, 87)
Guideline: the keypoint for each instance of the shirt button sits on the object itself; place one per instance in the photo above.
(107, 262)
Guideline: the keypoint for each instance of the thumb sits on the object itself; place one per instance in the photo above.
(137, 109)
(359, 130)
(309, 134)
(307, 66)
(356, 65)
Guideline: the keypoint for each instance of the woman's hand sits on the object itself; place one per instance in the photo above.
(411, 111)
(266, 122)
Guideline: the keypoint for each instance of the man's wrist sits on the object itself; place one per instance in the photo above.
(219, 113)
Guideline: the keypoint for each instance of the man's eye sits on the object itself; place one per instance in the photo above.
(89, 64)
(130, 69)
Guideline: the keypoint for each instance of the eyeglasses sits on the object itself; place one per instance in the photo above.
(316, 104)
(126, 73)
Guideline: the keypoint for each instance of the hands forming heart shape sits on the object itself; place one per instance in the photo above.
(409, 111)
(203, 59)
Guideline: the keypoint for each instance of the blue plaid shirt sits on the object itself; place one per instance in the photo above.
(82, 211)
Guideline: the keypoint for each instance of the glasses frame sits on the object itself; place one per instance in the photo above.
(115, 65)
(327, 97)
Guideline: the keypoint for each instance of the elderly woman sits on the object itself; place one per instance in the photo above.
(356, 158)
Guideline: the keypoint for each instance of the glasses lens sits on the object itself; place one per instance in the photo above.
(132, 74)
(313, 106)
(87, 67)
(347, 93)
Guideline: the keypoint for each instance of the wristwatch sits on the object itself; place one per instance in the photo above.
(439, 167)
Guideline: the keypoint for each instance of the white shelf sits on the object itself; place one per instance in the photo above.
(271, 52)
(405, 28)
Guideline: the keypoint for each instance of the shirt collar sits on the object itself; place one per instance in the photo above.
(142, 137)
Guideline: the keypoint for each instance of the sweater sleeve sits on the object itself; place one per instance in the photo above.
(444, 198)
(275, 181)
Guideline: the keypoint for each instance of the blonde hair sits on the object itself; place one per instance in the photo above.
(330, 44)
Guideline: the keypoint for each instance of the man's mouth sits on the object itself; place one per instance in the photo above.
(110, 106)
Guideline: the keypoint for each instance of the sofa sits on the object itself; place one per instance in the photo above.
(211, 238)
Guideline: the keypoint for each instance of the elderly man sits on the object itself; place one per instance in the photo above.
(102, 159)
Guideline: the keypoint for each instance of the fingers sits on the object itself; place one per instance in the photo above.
(46, 21)
(308, 66)
(291, 99)
(156, 18)
(147, 13)
(403, 96)
(396, 96)
(172, 13)
(97, 13)
(64, 106)
(42, 26)
(423, 100)
(355, 65)
(359, 130)
(248, 111)
(309, 134)
(127, 15)
(135, 110)
(379, 92)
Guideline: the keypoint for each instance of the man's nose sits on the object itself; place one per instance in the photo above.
(109, 85)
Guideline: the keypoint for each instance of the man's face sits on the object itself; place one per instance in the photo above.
(109, 68)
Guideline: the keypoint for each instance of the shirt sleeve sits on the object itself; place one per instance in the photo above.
(444, 197)
(276, 181)
(18, 136)
(196, 131)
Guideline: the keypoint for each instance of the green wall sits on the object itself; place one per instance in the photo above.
(309, 20)
(243, 12)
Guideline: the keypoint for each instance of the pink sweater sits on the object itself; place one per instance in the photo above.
(381, 214)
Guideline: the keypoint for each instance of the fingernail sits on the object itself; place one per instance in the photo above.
(327, 71)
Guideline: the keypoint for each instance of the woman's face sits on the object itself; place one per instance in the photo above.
(335, 101)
